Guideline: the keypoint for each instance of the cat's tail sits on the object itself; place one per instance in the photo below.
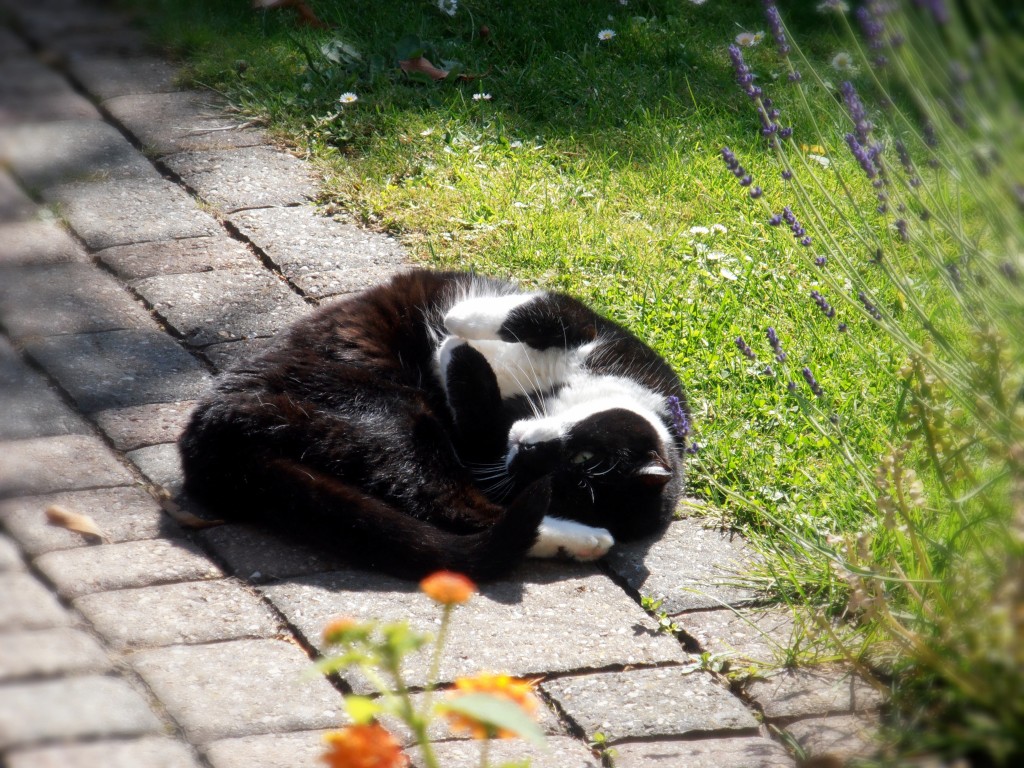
(309, 505)
(372, 533)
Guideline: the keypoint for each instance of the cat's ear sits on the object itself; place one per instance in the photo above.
(654, 474)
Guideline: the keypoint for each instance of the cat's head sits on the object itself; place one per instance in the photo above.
(614, 468)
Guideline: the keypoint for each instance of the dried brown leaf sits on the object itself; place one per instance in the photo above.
(422, 65)
(187, 519)
(75, 521)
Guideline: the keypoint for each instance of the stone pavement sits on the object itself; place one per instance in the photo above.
(147, 240)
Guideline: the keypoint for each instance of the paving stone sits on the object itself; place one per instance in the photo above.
(15, 205)
(741, 752)
(41, 24)
(229, 354)
(175, 257)
(123, 514)
(31, 92)
(306, 246)
(26, 604)
(142, 425)
(48, 652)
(161, 464)
(746, 636)
(151, 752)
(66, 298)
(178, 614)
(166, 123)
(45, 154)
(61, 463)
(838, 739)
(108, 76)
(247, 177)
(558, 753)
(649, 703)
(31, 407)
(558, 603)
(810, 691)
(689, 567)
(10, 556)
(106, 213)
(100, 42)
(272, 750)
(210, 307)
(86, 570)
(75, 707)
(37, 242)
(259, 555)
(238, 688)
(119, 369)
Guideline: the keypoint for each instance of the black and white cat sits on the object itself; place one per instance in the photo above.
(445, 420)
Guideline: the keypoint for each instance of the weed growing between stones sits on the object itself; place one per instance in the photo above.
(486, 706)
(935, 575)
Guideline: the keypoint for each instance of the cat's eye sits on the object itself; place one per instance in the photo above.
(582, 457)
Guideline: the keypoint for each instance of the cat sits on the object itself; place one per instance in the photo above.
(445, 420)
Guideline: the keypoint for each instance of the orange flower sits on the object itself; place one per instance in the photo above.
(519, 692)
(447, 587)
(337, 629)
(363, 746)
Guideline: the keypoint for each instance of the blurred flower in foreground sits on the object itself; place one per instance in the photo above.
(605, 34)
(363, 746)
(448, 587)
(518, 692)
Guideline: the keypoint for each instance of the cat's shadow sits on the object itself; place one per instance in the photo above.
(260, 556)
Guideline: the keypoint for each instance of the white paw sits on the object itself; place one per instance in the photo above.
(481, 317)
(568, 538)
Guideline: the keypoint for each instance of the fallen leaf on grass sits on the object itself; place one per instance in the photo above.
(422, 66)
(185, 518)
(75, 521)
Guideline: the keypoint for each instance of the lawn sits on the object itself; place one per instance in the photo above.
(581, 150)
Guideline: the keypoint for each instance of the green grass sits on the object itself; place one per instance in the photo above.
(588, 169)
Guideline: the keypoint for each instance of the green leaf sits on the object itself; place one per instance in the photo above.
(361, 709)
(497, 713)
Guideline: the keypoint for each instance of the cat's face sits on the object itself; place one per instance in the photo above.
(610, 469)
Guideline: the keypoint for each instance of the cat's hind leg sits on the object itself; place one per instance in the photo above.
(557, 536)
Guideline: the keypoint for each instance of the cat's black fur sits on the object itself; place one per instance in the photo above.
(344, 433)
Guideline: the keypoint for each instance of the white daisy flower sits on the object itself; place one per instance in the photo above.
(481, 97)
(698, 2)
(605, 35)
(699, 230)
(843, 62)
(748, 39)
(720, 228)
(448, 7)
(348, 98)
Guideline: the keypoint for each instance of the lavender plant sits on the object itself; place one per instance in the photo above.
(933, 201)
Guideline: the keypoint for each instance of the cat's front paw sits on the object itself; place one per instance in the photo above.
(557, 537)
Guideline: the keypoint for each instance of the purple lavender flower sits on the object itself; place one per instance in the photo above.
(745, 348)
(812, 382)
(777, 29)
(901, 227)
(755, 192)
(842, 327)
(859, 115)
(827, 309)
(821, 261)
(680, 418)
(787, 174)
(791, 386)
(861, 155)
(775, 220)
(869, 16)
(937, 8)
(794, 76)
(871, 308)
(773, 339)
